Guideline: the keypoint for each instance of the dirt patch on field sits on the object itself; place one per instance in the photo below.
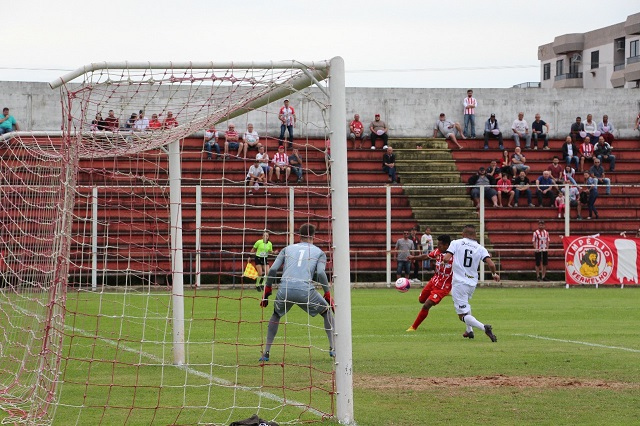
(422, 383)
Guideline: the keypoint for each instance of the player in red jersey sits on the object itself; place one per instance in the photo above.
(440, 284)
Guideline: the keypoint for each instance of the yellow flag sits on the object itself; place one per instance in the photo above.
(250, 271)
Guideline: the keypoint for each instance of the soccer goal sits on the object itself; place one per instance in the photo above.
(124, 240)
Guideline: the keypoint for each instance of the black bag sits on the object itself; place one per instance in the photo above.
(584, 197)
(253, 421)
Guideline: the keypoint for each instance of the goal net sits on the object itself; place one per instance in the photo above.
(124, 240)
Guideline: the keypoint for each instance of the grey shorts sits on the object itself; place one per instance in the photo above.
(309, 300)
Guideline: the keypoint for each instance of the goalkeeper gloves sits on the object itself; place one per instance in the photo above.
(329, 299)
(265, 297)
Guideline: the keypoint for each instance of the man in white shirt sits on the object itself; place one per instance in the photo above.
(251, 139)
(467, 254)
(521, 130)
(142, 123)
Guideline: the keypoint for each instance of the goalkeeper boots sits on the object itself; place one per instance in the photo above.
(489, 332)
(468, 335)
(265, 357)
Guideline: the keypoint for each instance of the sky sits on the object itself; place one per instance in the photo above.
(397, 43)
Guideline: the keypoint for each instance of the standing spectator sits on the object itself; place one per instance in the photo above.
(560, 203)
(570, 152)
(574, 199)
(482, 179)
(295, 161)
(112, 123)
(492, 131)
(170, 121)
(142, 123)
(569, 175)
(448, 129)
(541, 249)
(591, 128)
(556, 169)
(539, 133)
(602, 150)
(378, 129)
(8, 122)
(597, 171)
(211, 141)
(520, 129)
(262, 248)
(470, 103)
(517, 161)
(545, 187)
(389, 164)
(416, 252)
(154, 123)
(606, 129)
(251, 139)
(426, 241)
(263, 158)
(232, 141)
(591, 188)
(356, 131)
(586, 151)
(404, 246)
(505, 187)
(467, 254)
(255, 176)
(280, 164)
(577, 130)
(287, 116)
(521, 184)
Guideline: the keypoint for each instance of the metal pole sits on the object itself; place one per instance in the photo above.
(388, 193)
(94, 239)
(198, 233)
(292, 225)
(481, 205)
(567, 210)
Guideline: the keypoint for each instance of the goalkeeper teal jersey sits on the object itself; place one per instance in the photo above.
(301, 263)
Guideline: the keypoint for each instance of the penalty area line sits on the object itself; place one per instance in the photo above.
(597, 345)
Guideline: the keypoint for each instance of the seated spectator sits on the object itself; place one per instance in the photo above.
(546, 187)
(556, 169)
(520, 129)
(606, 129)
(492, 131)
(602, 150)
(481, 179)
(111, 122)
(251, 139)
(577, 130)
(505, 188)
(154, 123)
(356, 131)
(170, 121)
(7, 122)
(574, 200)
(494, 170)
(591, 128)
(591, 188)
(537, 132)
(98, 123)
(389, 164)
(517, 162)
(378, 129)
(570, 152)
(295, 161)
(505, 163)
(448, 129)
(211, 142)
(280, 163)
(586, 152)
(569, 175)
(131, 121)
(521, 185)
(263, 158)
(232, 141)
(141, 124)
(597, 172)
(255, 176)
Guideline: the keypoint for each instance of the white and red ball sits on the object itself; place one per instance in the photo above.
(403, 285)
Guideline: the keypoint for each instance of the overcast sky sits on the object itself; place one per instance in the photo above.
(394, 43)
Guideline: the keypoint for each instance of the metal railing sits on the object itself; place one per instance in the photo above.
(568, 76)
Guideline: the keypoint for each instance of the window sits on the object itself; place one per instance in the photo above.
(559, 66)
(633, 49)
(574, 63)
(595, 59)
(546, 71)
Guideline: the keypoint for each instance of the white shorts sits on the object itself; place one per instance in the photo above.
(461, 293)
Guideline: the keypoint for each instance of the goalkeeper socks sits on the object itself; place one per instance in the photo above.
(421, 317)
(272, 330)
(328, 326)
(470, 320)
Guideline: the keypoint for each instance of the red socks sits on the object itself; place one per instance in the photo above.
(421, 317)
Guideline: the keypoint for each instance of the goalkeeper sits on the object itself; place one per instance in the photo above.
(301, 262)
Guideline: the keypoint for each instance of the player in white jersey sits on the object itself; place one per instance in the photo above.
(301, 262)
(467, 254)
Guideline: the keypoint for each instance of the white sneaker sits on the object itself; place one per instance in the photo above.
(373, 147)
(415, 281)
(385, 147)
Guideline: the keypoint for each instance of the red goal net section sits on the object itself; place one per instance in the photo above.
(124, 240)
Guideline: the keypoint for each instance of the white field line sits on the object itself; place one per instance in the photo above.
(597, 345)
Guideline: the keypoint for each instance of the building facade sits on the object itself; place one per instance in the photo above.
(605, 58)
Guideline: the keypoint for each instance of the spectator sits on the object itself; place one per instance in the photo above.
(404, 246)
(492, 131)
(232, 141)
(131, 121)
(470, 103)
(389, 164)
(427, 246)
(540, 247)
(539, 133)
(211, 142)
(602, 150)
(448, 129)
(556, 170)
(591, 188)
(7, 122)
(560, 203)
(263, 158)
(111, 122)
(287, 116)
(494, 170)
(517, 161)
(570, 152)
(606, 129)
(545, 186)
(505, 187)
(280, 164)
(521, 184)
(481, 179)
(569, 175)
(577, 130)
(255, 176)
(587, 152)
(591, 128)
(637, 125)
(574, 199)
(154, 123)
(356, 131)
(141, 124)
(597, 171)
(98, 123)
(295, 161)
(520, 129)
(251, 139)
(505, 163)
(416, 252)
(378, 129)
(170, 121)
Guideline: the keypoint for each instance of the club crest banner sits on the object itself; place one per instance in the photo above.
(601, 260)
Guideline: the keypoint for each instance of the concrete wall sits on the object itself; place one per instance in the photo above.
(408, 112)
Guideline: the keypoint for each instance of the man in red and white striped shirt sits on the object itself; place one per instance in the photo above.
(280, 163)
(541, 246)
(586, 152)
(470, 103)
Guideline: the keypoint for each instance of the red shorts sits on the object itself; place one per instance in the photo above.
(435, 294)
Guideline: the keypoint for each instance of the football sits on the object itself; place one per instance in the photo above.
(403, 285)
